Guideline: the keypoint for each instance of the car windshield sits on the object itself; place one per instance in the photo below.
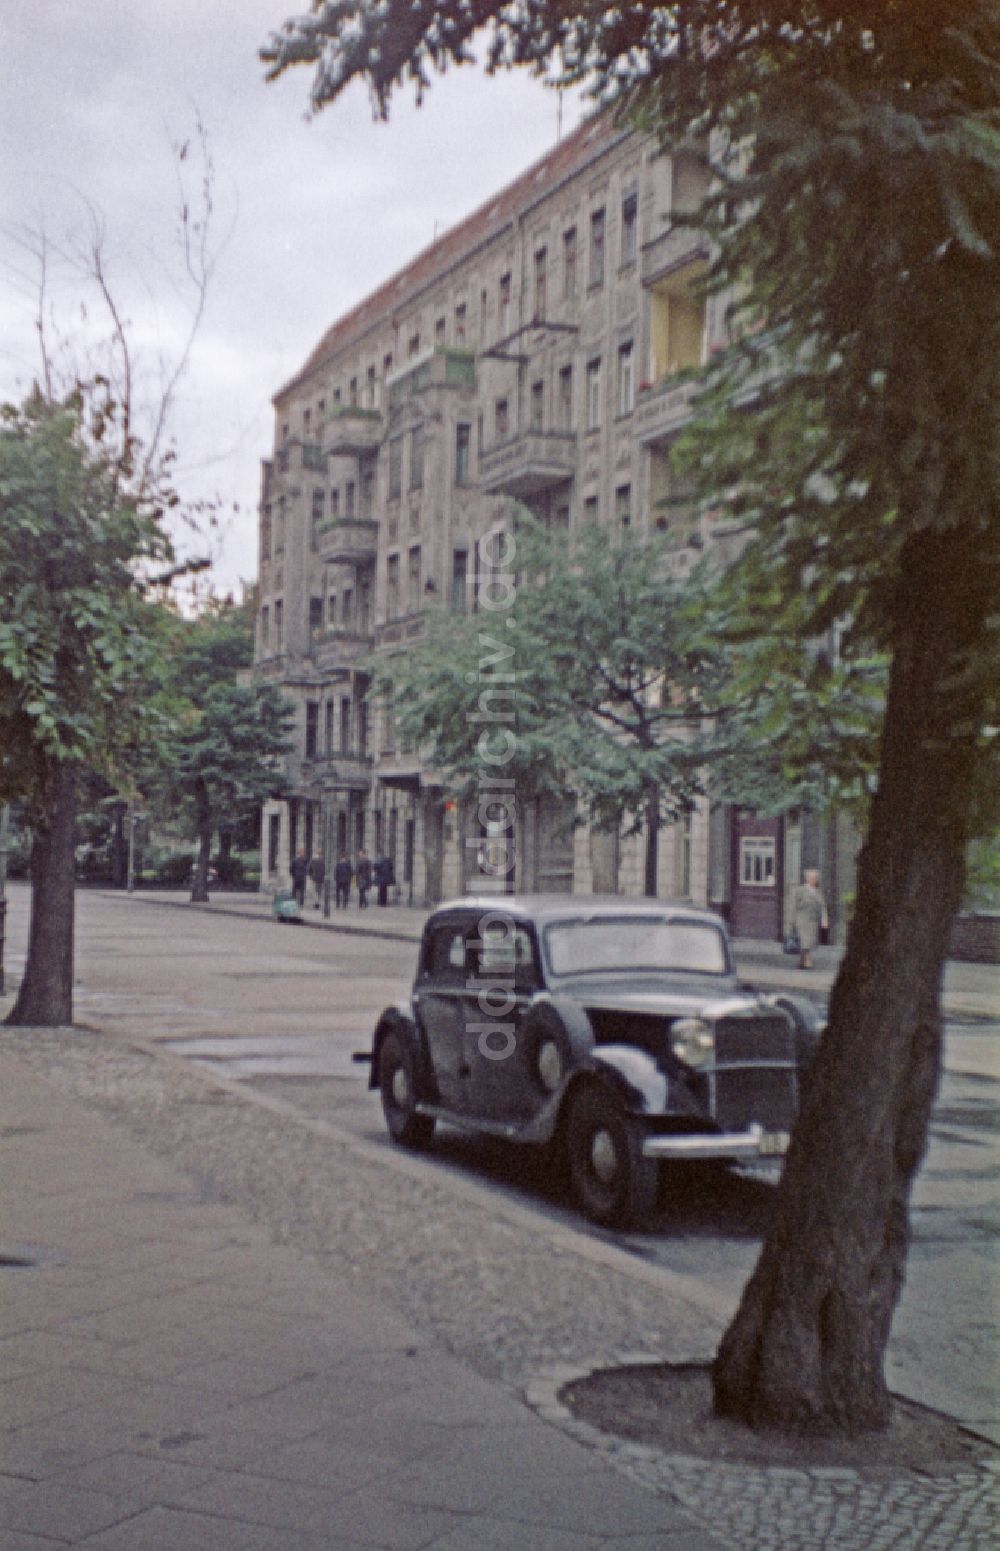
(635, 943)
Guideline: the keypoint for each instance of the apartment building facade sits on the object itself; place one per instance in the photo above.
(539, 355)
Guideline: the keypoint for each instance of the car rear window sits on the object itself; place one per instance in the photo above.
(635, 943)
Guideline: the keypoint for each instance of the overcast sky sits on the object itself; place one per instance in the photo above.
(314, 213)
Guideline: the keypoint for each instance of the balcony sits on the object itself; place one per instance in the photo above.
(349, 541)
(672, 249)
(439, 367)
(339, 647)
(351, 432)
(338, 772)
(661, 410)
(528, 463)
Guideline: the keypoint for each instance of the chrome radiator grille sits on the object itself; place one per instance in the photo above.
(755, 1077)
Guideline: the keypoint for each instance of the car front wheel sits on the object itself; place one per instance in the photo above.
(398, 1089)
(613, 1183)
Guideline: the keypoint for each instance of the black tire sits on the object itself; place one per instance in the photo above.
(397, 1085)
(613, 1183)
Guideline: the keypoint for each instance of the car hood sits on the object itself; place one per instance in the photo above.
(652, 996)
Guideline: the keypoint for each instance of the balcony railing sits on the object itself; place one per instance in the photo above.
(664, 407)
(672, 249)
(528, 463)
(352, 431)
(350, 540)
(338, 772)
(340, 646)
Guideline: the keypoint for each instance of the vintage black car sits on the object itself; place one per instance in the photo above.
(613, 1029)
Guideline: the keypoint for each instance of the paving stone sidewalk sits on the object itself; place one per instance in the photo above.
(171, 1380)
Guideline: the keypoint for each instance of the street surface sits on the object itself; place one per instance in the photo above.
(281, 1010)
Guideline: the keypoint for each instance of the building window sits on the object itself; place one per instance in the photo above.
(413, 579)
(328, 715)
(569, 263)
(312, 728)
(626, 378)
(265, 627)
(306, 420)
(566, 398)
(334, 505)
(353, 393)
(279, 532)
(318, 513)
(541, 281)
(630, 227)
(459, 581)
(501, 418)
(590, 512)
(417, 458)
(463, 452)
(350, 493)
(371, 388)
(315, 615)
(265, 533)
(387, 364)
(597, 234)
(440, 331)
(757, 861)
(594, 394)
(331, 609)
(279, 624)
(362, 737)
(392, 587)
(505, 299)
(413, 348)
(367, 506)
(395, 467)
(347, 606)
(537, 411)
(345, 725)
(623, 507)
(460, 323)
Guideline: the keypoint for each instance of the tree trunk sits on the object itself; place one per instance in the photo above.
(119, 848)
(199, 883)
(45, 996)
(805, 1351)
(652, 860)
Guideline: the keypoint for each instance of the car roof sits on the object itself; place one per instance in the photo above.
(546, 908)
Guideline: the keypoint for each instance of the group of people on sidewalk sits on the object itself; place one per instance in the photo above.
(380, 874)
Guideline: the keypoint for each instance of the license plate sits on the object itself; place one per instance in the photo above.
(774, 1144)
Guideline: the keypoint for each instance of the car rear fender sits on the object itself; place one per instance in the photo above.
(396, 1020)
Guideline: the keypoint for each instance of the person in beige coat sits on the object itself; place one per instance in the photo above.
(809, 915)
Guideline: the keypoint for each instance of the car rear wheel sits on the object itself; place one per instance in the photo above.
(613, 1183)
(396, 1081)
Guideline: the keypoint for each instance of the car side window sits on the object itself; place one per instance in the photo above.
(445, 960)
(507, 953)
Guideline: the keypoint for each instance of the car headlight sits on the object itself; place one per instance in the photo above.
(693, 1041)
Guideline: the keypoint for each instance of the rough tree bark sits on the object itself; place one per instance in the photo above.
(805, 1351)
(45, 995)
(652, 857)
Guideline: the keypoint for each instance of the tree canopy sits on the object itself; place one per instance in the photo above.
(854, 429)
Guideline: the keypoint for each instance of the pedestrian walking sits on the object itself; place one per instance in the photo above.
(342, 874)
(809, 915)
(317, 874)
(300, 872)
(363, 873)
(385, 877)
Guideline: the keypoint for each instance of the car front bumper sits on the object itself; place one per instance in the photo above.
(754, 1142)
